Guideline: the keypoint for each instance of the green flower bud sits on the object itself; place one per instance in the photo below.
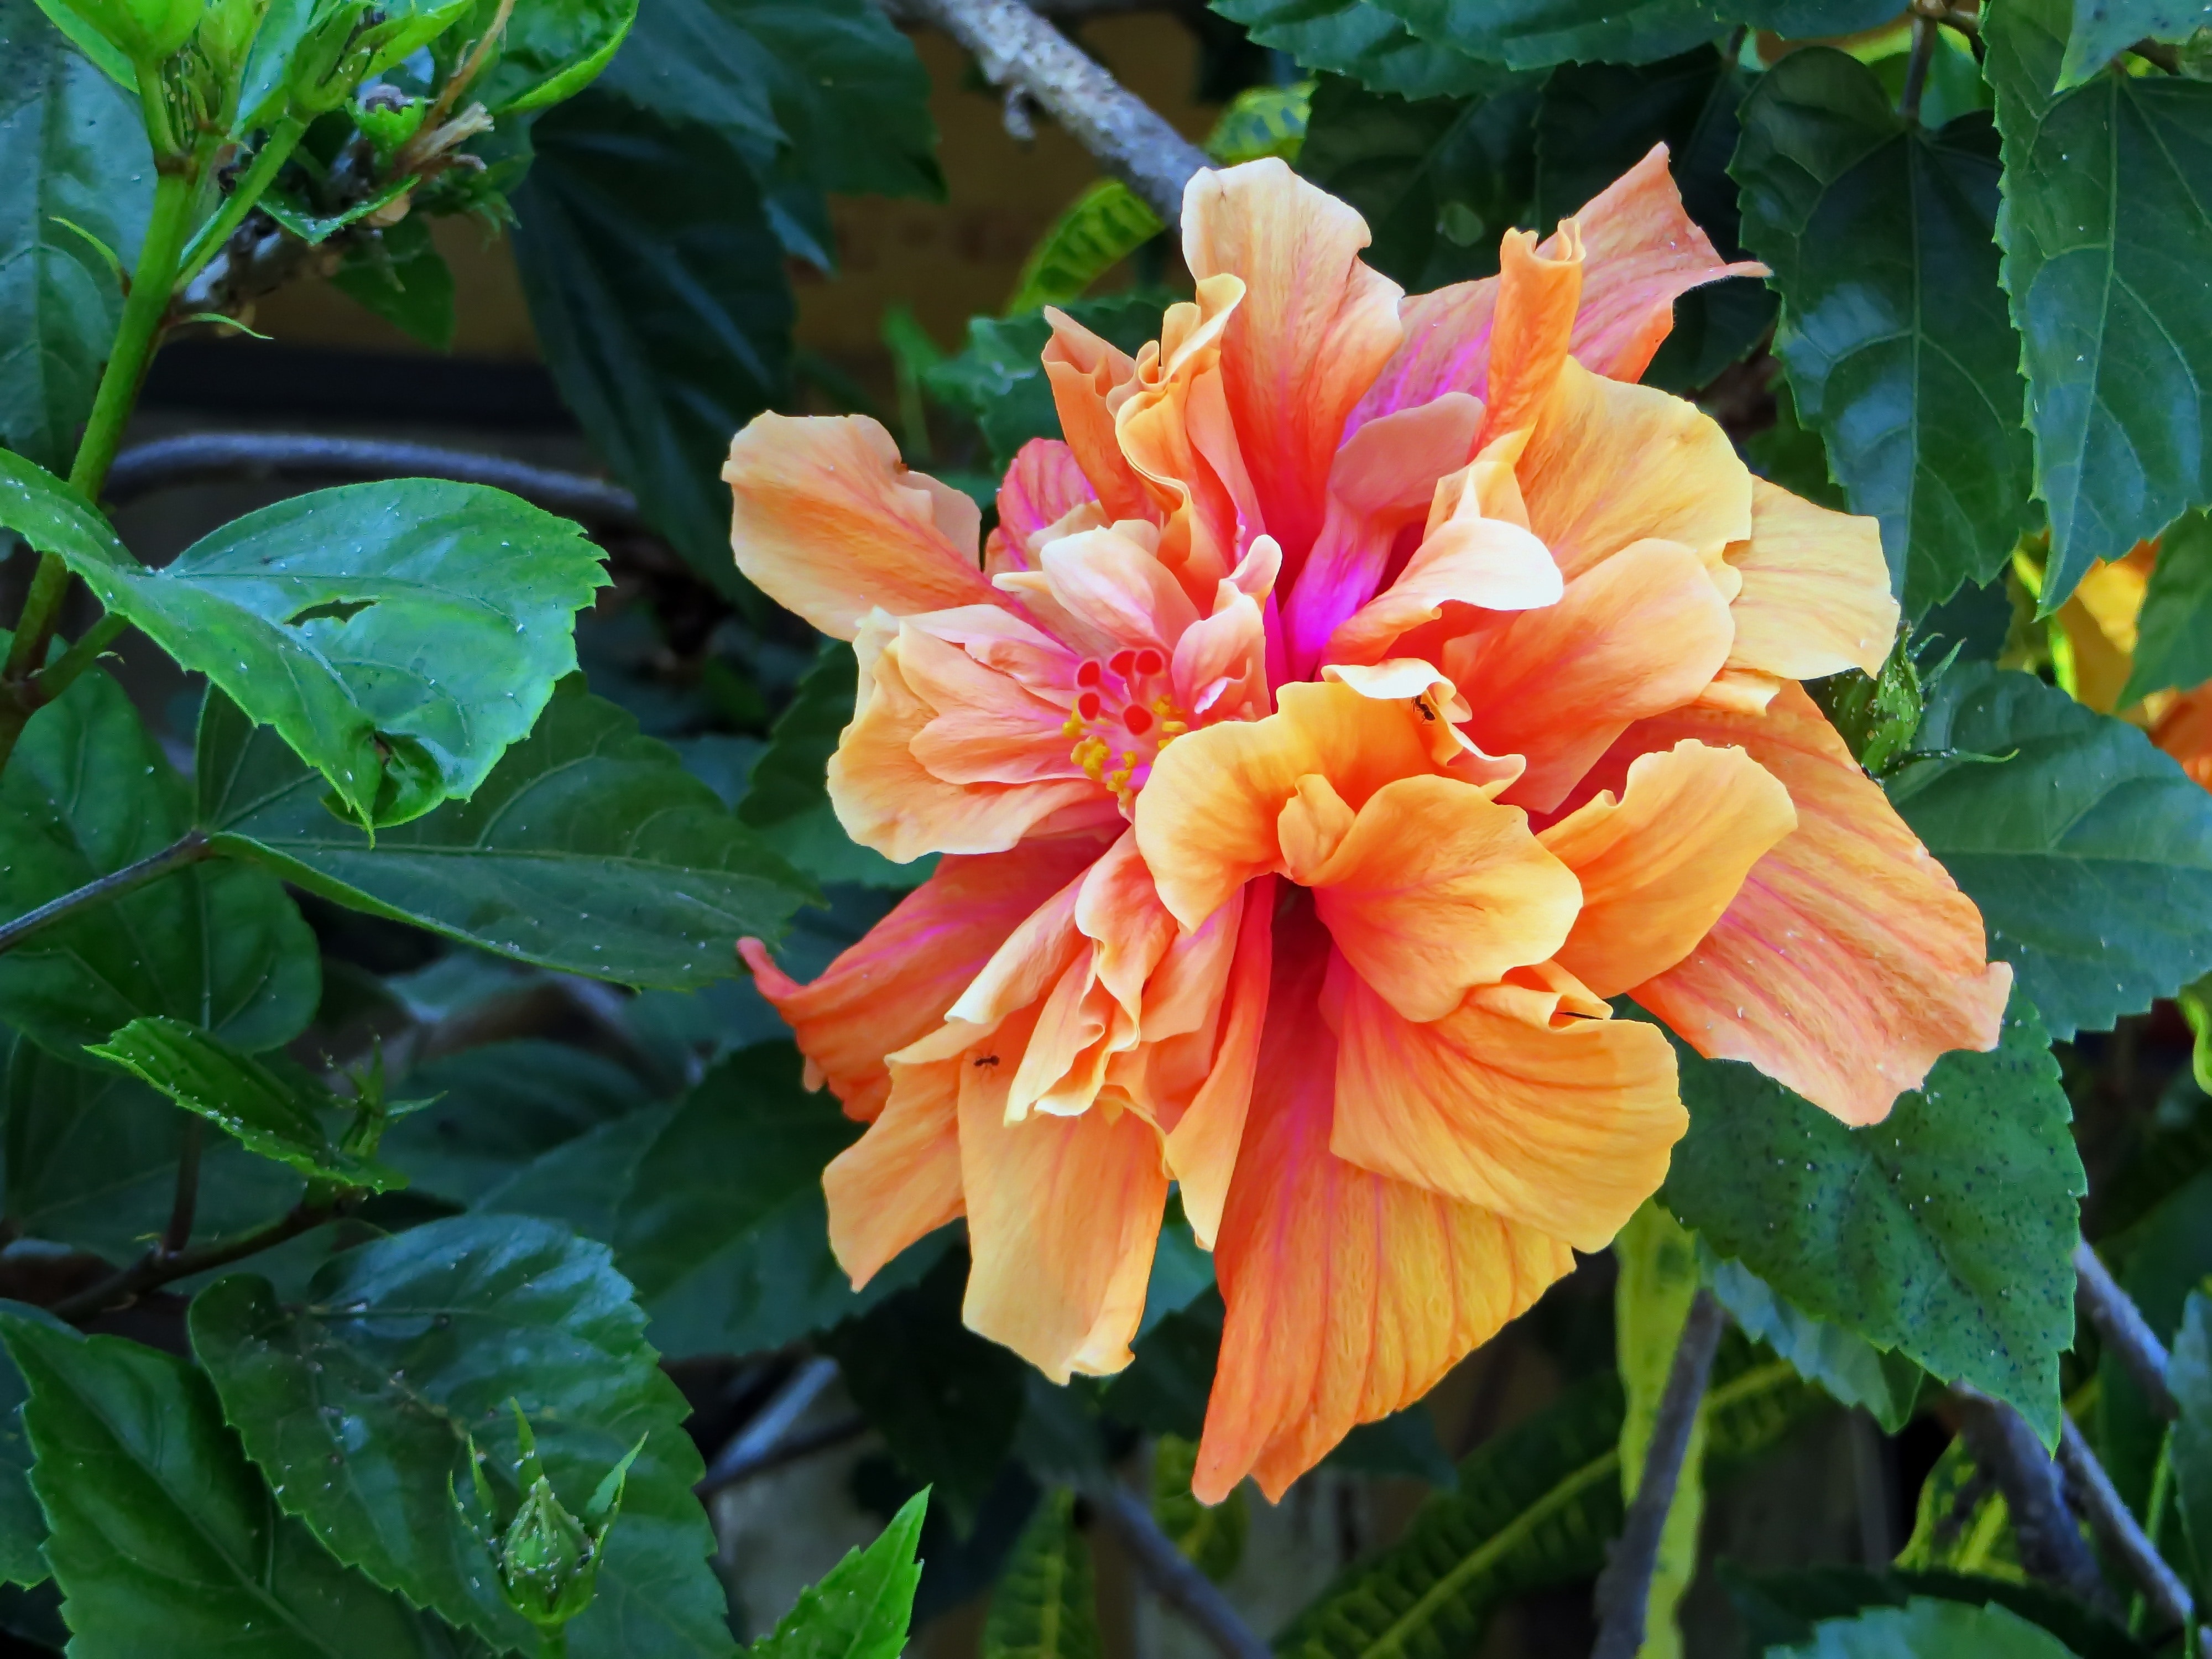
(144, 31)
(350, 41)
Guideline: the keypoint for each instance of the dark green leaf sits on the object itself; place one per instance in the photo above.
(1164, 1390)
(86, 793)
(496, 1108)
(277, 1113)
(92, 1157)
(164, 1540)
(1044, 1607)
(2107, 231)
(1946, 1231)
(657, 289)
(2160, 1261)
(398, 274)
(1359, 38)
(71, 148)
(1778, 1608)
(2173, 644)
(588, 849)
(946, 1402)
(1893, 328)
(1404, 1445)
(2188, 1375)
(999, 379)
(725, 1232)
(1851, 1369)
(1537, 33)
(1927, 1629)
(2103, 29)
(551, 49)
(1438, 181)
(787, 799)
(22, 1522)
(2088, 851)
(581, 1183)
(860, 1610)
(356, 1405)
(1211, 1536)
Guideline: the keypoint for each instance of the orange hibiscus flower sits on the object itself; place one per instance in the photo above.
(1365, 690)
(2098, 626)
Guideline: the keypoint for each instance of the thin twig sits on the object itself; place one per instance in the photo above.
(1171, 1574)
(2125, 1331)
(190, 848)
(205, 457)
(1015, 47)
(802, 1442)
(158, 1267)
(2051, 1544)
(1915, 69)
(770, 1425)
(2093, 1489)
(1624, 1588)
(2157, 51)
(184, 1209)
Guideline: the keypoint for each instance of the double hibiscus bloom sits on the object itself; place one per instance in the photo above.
(1365, 690)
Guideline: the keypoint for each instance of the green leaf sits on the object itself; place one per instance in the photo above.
(1778, 1608)
(1044, 1606)
(725, 1232)
(1850, 1367)
(788, 801)
(398, 635)
(657, 289)
(551, 49)
(71, 148)
(1360, 38)
(1651, 1298)
(1946, 1231)
(91, 1159)
(88, 792)
(946, 1402)
(1438, 181)
(2189, 1375)
(110, 59)
(22, 1522)
(1404, 1445)
(2173, 643)
(399, 273)
(1211, 1537)
(1537, 33)
(1104, 225)
(1893, 329)
(861, 1608)
(999, 379)
(2103, 29)
(2088, 851)
(1927, 1629)
(589, 848)
(164, 1540)
(356, 1405)
(275, 1114)
(2106, 230)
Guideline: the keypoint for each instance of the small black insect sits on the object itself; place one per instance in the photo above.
(986, 1060)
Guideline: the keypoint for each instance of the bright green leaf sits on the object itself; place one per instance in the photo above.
(1927, 1629)
(164, 1540)
(2088, 851)
(725, 1232)
(1849, 1367)
(2103, 29)
(277, 1114)
(1044, 1606)
(589, 848)
(998, 380)
(551, 49)
(2106, 227)
(2189, 1375)
(861, 1608)
(71, 148)
(1211, 1536)
(109, 58)
(1893, 329)
(398, 274)
(2173, 642)
(1945, 1231)
(787, 799)
(356, 1405)
(1361, 40)
(1099, 230)
(88, 792)
(1651, 1298)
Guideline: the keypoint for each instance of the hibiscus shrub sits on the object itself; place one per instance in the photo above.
(1510, 834)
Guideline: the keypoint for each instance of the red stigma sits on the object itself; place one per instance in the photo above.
(1138, 719)
(1091, 673)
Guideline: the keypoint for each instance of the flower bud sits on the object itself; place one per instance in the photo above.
(350, 41)
(144, 31)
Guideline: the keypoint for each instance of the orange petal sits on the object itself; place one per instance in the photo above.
(900, 1180)
(1117, 589)
(896, 984)
(1469, 562)
(1815, 598)
(2184, 731)
(1201, 1147)
(1349, 1293)
(1537, 299)
(1174, 430)
(1558, 1123)
(827, 522)
(1610, 465)
(985, 728)
(1091, 379)
(1314, 326)
(1659, 865)
(1639, 633)
(1850, 961)
(1044, 485)
(1433, 889)
(1063, 1213)
(1206, 822)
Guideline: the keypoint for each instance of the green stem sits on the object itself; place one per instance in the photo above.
(553, 1644)
(190, 849)
(284, 135)
(58, 676)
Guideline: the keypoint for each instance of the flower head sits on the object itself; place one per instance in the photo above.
(1363, 692)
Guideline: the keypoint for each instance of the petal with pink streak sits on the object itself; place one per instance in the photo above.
(1044, 485)
(1090, 379)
